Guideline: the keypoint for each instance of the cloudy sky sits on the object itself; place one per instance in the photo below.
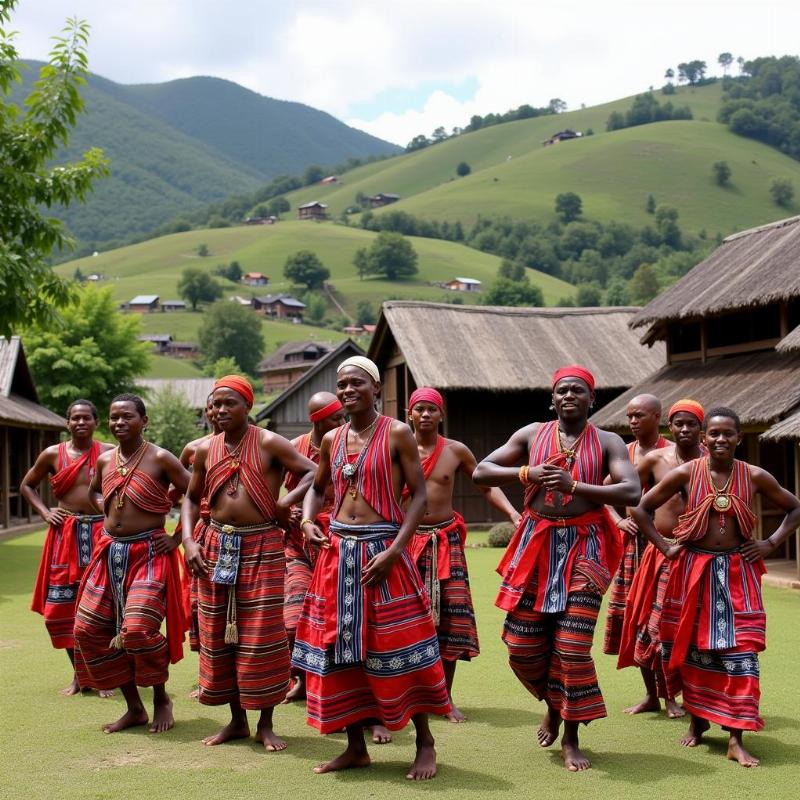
(397, 69)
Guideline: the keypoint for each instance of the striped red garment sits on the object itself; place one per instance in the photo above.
(68, 470)
(428, 463)
(221, 466)
(145, 491)
(374, 477)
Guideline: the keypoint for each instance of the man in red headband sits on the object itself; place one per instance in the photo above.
(239, 561)
(438, 545)
(74, 527)
(560, 561)
(644, 417)
(640, 641)
(325, 413)
(713, 623)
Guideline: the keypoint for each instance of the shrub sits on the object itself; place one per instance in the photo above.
(500, 534)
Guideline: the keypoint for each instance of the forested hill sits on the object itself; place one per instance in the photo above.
(178, 146)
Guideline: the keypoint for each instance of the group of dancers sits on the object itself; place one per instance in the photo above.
(331, 569)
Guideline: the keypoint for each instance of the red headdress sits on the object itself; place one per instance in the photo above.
(574, 371)
(237, 384)
(426, 395)
(690, 406)
(325, 411)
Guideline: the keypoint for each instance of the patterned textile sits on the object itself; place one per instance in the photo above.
(68, 470)
(428, 463)
(254, 670)
(374, 477)
(712, 629)
(145, 492)
(66, 554)
(369, 652)
(126, 592)
(438, 551)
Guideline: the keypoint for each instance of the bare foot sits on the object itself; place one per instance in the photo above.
(130, 719)
(574, 759)
(71, 690)
(297, 692)
(649, 703)
(674, 711)
(424, 766)
(381, 735)
(105, 692)
(195, 693)
(547, 732)
(352, 758)
(456, 715)
(162, 718)
(233, 730)
(736, 752)
(697, 727)
(271, 741)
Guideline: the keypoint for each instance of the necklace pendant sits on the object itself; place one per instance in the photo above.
(348, 471)
(120, 501)
(352, 490)
(235, 463)
(123, 471)
(722, 502)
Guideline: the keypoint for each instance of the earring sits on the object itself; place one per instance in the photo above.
(552, 407)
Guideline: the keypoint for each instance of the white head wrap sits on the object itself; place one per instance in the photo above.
(370, 367)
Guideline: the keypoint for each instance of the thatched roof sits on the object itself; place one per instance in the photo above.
(790, 342)
(756, 267)
(511, 349)
(788, 428)
(760, 387)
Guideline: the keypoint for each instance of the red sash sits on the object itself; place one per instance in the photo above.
(68, 470)
(221, 466)
(144, 490)
(428, 464)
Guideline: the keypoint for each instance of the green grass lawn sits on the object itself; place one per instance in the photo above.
(166, 367)
(52, 747)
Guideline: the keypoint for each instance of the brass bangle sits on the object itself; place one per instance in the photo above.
(573, 487)
(304, 521)
(523, 474)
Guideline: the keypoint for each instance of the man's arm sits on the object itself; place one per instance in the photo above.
(494, 495)
(672, 483)
(96, 485)
(282, 450)
(315, 496)
(190, 513)
(29, 488)
(178, 476)
(377, 568)
(502, 466)
(784, 500)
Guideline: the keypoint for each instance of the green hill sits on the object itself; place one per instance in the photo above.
(178, 146)
(513, 174)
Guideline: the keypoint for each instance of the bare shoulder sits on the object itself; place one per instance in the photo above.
(611, 441)
(456, 447)
(202, 447)
(400, 429)
(164, 456)
(664, 455)
(106, 456)
(106, 446)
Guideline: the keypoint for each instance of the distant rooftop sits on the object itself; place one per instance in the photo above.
(144, 299)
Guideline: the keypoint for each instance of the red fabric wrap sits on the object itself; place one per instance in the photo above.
(428, 464)
(222, 465)
(142, 489)
(325, 411)
(425, 394)
(237, 384)
(421, 539)
(68, 471)
(574, 371)
(690, 406)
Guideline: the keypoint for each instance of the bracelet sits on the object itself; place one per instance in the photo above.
(573, 487)
(306, 520)
(523, 474)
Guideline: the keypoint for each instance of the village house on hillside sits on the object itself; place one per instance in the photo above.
(330, 180)
(382, 199)
(562, 136)
(279, 306)
(732, 332)
(287, 414)
(493, 366)
(279, 370)
(173, 305)
(255, 279)
(312, 210)
(463, 285)
(143, 304)
(195, 392)
(26, 428)
(160, 341)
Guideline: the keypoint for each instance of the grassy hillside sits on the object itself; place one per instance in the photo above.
(613, 172)
(154, 267)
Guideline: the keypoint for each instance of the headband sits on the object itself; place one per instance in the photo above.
(689, 406)
(362, 362)
(426, 395)
(574, 371)
(325, 411)
(237, 384)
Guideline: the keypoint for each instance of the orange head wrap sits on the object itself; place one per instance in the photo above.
(325, 411)
(237, 384)
(426, 395)
(574, 371)
(690, 406)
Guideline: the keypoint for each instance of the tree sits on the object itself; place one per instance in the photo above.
(512, 270)
(305, 268)
(196, 286)
(203, 251)
(617, 293)
(94, 354)
(650, 205)
(392, 256)
(313, 174)
(221, 367)
(172, 421)
(557, 106)
(78, 276)
(725, 60)
(439, 134)
(316, 307)
(692, 71)
(280, 205)
(463, 169)
(569, 206)
(588, 295)
(234, 272)
(419, 142)
(781, 191)
(669, 74)
(722, 172)
(668, 228)
(361, 262)
(30, 292)
(644, 285)
(365, 314)
(232, 330)
(505, 292)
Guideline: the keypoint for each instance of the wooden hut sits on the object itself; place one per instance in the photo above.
(493, 366)
(26, 428)
(732, 332)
